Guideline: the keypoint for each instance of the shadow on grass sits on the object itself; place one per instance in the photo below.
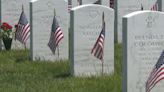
(63, 75)
(20, 59)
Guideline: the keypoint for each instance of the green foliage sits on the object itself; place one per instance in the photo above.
(19, 74)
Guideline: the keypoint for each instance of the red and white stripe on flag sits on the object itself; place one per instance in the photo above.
(25, 33)
(97, 50)
(155, 7)
(58, 35)
(157, 74)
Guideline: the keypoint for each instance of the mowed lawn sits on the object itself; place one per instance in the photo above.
(19, 74)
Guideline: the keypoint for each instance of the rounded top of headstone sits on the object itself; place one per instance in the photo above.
(140, 12)
(90, 5)
(33, 0)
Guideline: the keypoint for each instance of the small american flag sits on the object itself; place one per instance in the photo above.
(155, 6)
(141, 7)
(97, 2)
(157, 74)
(78, 1)
(98, 49)
(23, 29)
(112, 4)
(56, 35)
(69, 5)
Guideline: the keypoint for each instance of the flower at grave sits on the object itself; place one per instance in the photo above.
(6, 30)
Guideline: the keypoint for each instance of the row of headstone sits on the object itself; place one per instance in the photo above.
(41, 19)
(38, 50)
(84, 35)
(85, 28)
(142, 43)
(11, 10)
(122, 8)
(44, 17)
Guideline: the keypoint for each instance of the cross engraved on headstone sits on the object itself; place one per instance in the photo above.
(150, 21)
(93, 13)
(49, 4)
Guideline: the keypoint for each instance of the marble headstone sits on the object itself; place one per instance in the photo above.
(42, 13)
(10, 13)
(124, 7)
(143, 43)
(86, 25)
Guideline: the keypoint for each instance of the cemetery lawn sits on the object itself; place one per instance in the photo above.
(18, 74)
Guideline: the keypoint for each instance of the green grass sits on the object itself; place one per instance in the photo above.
(18, 74)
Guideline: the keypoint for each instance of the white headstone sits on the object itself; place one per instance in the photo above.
(42, 13)
(124, 7)
(10, 13)
(86, 25)
(143, 43)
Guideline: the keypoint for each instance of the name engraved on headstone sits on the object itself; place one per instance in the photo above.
(147, 47)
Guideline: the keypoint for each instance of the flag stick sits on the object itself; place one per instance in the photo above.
(102, 67)
(58, 50)
(25, 46)
(103, 16)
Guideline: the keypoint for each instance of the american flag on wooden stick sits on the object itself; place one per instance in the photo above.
(157, 74)
(69, 5)
(97, 2)
(155, 6)
(141, 7)
(56, 35)
(98, 49)
(79, 2)
(23, 29)
(111, 4)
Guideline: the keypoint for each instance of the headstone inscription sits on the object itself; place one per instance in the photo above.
(143, 44)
